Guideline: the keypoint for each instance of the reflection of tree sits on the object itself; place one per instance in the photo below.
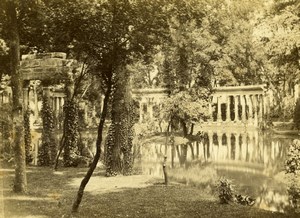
(272, 200)
(182, 153)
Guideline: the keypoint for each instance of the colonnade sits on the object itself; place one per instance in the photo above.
(30, 98)
(146, 108)
(148, 100)
(242, 104)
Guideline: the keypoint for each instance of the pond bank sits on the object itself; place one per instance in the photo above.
(148, 198)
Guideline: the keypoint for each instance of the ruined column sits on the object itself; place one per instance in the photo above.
(236, 109)
(228, 119)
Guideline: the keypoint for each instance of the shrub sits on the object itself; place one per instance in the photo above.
(297, 115)
(292, 164)
(225, 191)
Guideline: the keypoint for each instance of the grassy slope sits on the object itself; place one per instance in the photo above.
(50, 195)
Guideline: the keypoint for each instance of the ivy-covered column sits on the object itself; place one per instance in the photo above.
(71, 133)
(120, 135)
(27, 132)
(48, 149)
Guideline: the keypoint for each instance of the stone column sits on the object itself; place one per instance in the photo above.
(26, 95)
(236, 108)
(243, 103)
(228, 119)
(255, 110)
(219, 112)
(141, 112)
(150, 109)
(250, 106)
(57, 105)
(261, 108)
(62, 102)
(210, 109)
(36, 108)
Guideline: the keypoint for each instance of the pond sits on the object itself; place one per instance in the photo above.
(253, 161)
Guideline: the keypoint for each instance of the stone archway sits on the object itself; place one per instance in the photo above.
(49, 68)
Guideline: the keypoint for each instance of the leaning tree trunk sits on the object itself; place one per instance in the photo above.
(20, 182)
(120, 134)
(93, 165)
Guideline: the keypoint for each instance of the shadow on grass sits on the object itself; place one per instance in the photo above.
(151, 201)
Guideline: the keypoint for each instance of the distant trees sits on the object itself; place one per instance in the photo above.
(278, 37)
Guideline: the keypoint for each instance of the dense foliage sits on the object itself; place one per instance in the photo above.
(48, 148)
(292, 166)
(27, 137)
(71, 133)
(297, 115)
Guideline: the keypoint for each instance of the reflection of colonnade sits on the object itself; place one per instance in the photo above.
(149, 99)
(245, 104)
(239, 151)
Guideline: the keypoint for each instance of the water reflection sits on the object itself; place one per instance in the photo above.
(252, 160)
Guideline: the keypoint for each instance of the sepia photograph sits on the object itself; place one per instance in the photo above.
(149, 108)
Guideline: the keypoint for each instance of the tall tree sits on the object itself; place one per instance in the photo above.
(20, 183)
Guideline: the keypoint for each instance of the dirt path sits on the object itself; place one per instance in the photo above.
(101, 184)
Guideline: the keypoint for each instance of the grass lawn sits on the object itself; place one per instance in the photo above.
(50, 194)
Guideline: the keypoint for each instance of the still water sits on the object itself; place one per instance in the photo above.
(252, 160)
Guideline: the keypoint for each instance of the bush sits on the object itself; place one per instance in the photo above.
(297, 115)
(226, 191)
(292, 164)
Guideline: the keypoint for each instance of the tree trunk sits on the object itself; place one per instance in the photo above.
(93, 165)
(20, 183)
(120, 136)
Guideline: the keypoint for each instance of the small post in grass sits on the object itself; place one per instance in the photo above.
(165, 170)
